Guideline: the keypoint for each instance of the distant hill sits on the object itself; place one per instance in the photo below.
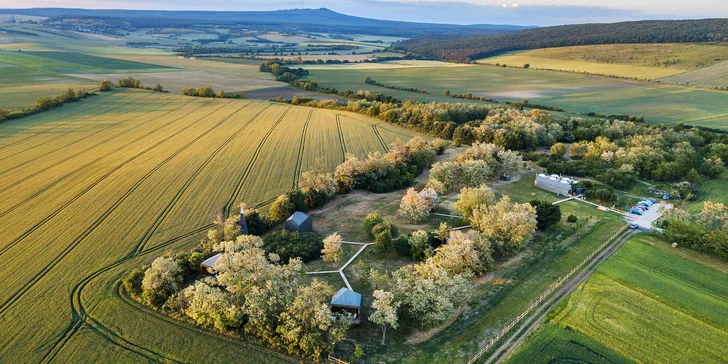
(463, 48)
(311, 20)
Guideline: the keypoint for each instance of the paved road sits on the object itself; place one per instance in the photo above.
(530, 323)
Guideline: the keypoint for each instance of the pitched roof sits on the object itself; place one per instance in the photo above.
(545, 181)
(346, 297)
(298, 217)
(209, 262)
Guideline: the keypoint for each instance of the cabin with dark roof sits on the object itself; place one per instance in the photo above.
(299, 222)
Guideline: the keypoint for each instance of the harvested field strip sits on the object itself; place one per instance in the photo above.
(16, 295)
(301, 148)
(43, 153)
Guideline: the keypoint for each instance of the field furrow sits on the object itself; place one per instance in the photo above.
(78, 218)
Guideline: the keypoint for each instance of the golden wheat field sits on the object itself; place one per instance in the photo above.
(94, 189)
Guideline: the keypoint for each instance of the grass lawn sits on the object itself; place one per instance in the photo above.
(647, 303)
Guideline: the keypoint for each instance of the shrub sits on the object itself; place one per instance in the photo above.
(547, 213)
(160, 281)
(370, 222)
(332, 248)
(255, 222)
(287, 245)
(383, 234)
(281, 208)
(105, 85)
(132, 282)
(401, 245)
(572, 218)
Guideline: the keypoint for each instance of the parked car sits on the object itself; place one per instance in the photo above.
(637, 207)
(641, 204)
(647, 202)
(635, 211)
(652, 200)
(633, 226)
(666, 197)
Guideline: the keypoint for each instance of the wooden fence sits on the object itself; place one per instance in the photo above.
(544, 295)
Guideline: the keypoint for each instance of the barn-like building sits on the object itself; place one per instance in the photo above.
(555, 184)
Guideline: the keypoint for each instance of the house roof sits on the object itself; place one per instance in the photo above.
(545, 181)
(298, 217)
(346, 297)
(209, 262)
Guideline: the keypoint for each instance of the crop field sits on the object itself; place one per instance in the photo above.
(67, 62)
(578, 93)
(712, 76)
(642, 61)
(647, 303)
(93, 189)
(596, 68)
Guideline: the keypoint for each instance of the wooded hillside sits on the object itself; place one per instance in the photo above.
(462, 49)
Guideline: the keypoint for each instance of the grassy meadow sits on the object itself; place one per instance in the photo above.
(577, 93)
(647, 303)
(96, 188)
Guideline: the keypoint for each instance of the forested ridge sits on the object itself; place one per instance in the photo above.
(466, 48)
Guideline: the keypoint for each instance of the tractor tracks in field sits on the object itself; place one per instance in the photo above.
(80, 316)
(39, 224)
(163, 215)
(10, 301)
(64, 134)
(301, 148)
(62, 178)
(52, 128)
(72, 143)
(341, 137)
(379, 136)
(78, 311)
(248, 169)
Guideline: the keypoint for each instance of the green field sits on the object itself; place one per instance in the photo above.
(647, 303)
(68, 62)
(96, 188)
(578, 93)
(640, 61)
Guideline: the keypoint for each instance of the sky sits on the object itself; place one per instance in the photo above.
(523, 12)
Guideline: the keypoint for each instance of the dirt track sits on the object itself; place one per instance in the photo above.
(530, 323)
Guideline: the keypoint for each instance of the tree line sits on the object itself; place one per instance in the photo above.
(469, 48)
